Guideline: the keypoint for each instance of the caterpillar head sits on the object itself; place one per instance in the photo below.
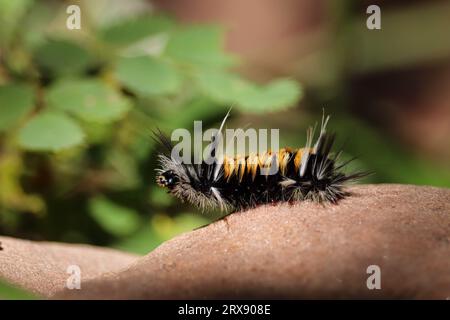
(188, 184)
(172, 176)
(167, 179)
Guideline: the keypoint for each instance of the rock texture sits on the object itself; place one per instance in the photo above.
(41, 267)
(304, 250)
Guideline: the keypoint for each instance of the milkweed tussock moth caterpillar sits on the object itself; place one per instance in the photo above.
(242, 182)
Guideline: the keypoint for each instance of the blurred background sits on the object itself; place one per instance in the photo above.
(77, 106)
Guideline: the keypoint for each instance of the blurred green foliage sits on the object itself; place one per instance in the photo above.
(77, 107)
(10, 292)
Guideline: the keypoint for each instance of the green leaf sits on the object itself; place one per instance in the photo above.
(16, 100)
(224, 87)
(91, 100)
(115, 219)
(201, 46)
(231, 89)
(148, 75)
(11, 292)
(277, 95)
(11, 14)
(130, 31)
(34, 28)
(63, 57)
(50, 131)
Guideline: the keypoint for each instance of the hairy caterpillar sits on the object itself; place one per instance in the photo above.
(237, 183)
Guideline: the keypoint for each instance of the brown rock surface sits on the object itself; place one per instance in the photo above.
(41, 267)
(301, 251)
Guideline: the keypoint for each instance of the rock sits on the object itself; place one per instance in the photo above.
(305, 250)
(41, 267)
(302, 251)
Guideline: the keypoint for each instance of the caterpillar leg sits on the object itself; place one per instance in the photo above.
(224, 218)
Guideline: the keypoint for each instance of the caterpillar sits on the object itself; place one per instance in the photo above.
(242, 182)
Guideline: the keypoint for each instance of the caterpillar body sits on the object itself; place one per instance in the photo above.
(242, 182)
